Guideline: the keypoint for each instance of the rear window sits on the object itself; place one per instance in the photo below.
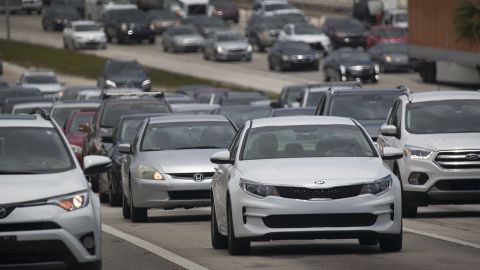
(197, 10)
(362, 107)
(113, 112)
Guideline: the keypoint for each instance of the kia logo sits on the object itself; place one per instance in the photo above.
(198, 177)
(3, 212)
(319, 182)
(472, 157)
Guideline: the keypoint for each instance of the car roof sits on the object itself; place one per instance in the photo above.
(32, 105)
(24, 120)
(192, 107)
(241, 108)
(444, 95)
(244, 94)
(188, 118)
(365, 91)
(301, 120)
(38, 73)
(83, 23)
(77, 104)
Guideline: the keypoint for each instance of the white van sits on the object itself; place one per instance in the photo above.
(94, 9)
(185, 8)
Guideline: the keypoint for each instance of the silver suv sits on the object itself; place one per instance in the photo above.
(49, 217)
(439, 133)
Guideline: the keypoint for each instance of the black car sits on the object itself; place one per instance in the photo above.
(239, 114)
(79, 5)
(345, 31)
(287, 55)
(128, 24)
(347, 64)
(370, 107)
(292, 112)
(124, 74)
(290, 94)
(161, 20)
(55, 17)
(71, 92)
(393, 57)
(226, 9)
(206, 24)
(241, 98)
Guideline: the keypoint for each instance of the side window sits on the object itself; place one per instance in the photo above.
(397, 119)
(235, 143)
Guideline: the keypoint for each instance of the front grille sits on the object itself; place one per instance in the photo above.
(334, 193)
(320, 220)
(33, 252)
(189, 195)
(458, 184)
(236, 50)
(34, 226)
(129, 85)
(190, 175)
(462, 159)
(317, 46)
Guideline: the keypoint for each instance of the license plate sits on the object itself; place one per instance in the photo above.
(7, 239)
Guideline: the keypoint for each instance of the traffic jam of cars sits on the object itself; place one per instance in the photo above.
(339, 158)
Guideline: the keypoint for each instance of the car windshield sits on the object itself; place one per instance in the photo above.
(354, 57)
(240, 116)
(80, 119)
(296, 47)
(128, 129)
(61, 114)
(394, 48)
(293, 18)
(362, 107)
(40, 79)
(273, 7)
(125, 68)
(307, 30)
(229, 37)
(446, 116)
(188, 135)
(181, 31)
(113, 113)
(401, 17)
(392, 32)
(306, 141)
(32, 150)
(86, 28)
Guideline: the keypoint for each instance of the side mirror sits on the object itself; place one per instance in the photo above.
(107, 139)
(389, 130)
(84, 128)
(96, 164)
(276, 104)
(391, 153)
(222, 157)
(125, 148)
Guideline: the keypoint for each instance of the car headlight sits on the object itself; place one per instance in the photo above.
(70, 202)
(76, 149)
(388, 58)
(124, 27)
(146, 83)
(110, 83)
(414, 152)
(249, 48)
(377, 68)
(147, 172)
(379, 187)
(152, 27)
(343, 69)
(219, 49)
(257, 190)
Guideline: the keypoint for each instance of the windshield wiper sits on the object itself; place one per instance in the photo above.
(199, 147)
(16, 172)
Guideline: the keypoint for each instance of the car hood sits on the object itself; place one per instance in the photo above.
(188, 37)
(311, 38)
(26, 188)
(124, 78)
(233, 44)
(305, 171)
(180, 161)
(45, 87)
(372, 126)
(447, 141)
(89, 34)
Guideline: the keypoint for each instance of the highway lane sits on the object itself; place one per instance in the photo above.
(254, 75)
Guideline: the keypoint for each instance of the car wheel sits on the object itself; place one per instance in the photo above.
(29, 12)
(270, 66)
(219, 241)
(137, 214)
(236, 246)
(44, 27)
(126, 208)
(120, 40)
(391, 243)
(205, 56)
(109, 39)
(409, 210)
(165, 48)
(151, 40)
(114, 198)
(368, 241)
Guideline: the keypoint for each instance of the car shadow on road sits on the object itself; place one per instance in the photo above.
(312, 249)
(178, 218)
(449, 214)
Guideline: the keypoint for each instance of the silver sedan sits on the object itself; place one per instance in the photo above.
(225, 46)
(181, 39)
(168, 166)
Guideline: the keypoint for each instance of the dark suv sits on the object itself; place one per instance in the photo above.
(128, 24)
(123, 74)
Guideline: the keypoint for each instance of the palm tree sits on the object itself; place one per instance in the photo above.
(467, 21)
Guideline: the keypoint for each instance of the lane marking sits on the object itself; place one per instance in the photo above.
(444, 238)
(161, 252)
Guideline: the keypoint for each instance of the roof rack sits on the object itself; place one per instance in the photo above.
(333, 87)
(406, 92)
(45, 114)
(135, 93)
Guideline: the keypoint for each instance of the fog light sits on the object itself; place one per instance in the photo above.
(88, 242)
(417, 178)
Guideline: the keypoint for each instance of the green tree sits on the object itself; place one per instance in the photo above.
(467, 21)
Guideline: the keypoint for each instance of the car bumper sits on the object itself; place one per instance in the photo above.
(90, 44)
(184, 47)
(52, 225)
(300, 64)
(32, 6)
(281, 218)
(234, 55)
(130, 34)
(442, 187)
(170, 193)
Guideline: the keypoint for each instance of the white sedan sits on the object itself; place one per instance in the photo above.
(83, 34)
(307, 33)
(306, 177)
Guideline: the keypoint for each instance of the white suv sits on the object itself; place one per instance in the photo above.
(49, 217)
(439, 133)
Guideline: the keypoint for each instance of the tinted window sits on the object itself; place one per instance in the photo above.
(240, 116)
(362, 107)
(448, 116)
(125, 68)
(354, 56)
(229, 37)
(40, 79)
(128, 129)
(307, 30)
(113, 113)
(85, 28)
(187, 135)
(314, 98)
(197, 10)
(306, 141)
(32, 150)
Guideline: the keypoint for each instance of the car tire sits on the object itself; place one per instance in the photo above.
(259, 46)
(113, 198)
(219, 241)
(39, 12)
(165, 48)
(409, 210)
(103, 197)
(368, 241)
(270, 66)
(151, 40)
(120, 40)
(391, 243)
(109, 39)
(97, 265)
(137, 214)
(236, 246)
(126, 208)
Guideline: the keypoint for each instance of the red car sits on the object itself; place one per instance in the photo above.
(76, 137)
(386, 34)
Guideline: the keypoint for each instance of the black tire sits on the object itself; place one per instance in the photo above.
(137, 214)
(120, 40)
(44, 27)
(270, 66)
(409, 210)
(164, 48)
(109, 39)
(391, 243)
(103, 197)
(236, 246)
(151, 40)
(39, 12)
(368, 241)
(114, 199)
(219, 241)
(126, 208)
